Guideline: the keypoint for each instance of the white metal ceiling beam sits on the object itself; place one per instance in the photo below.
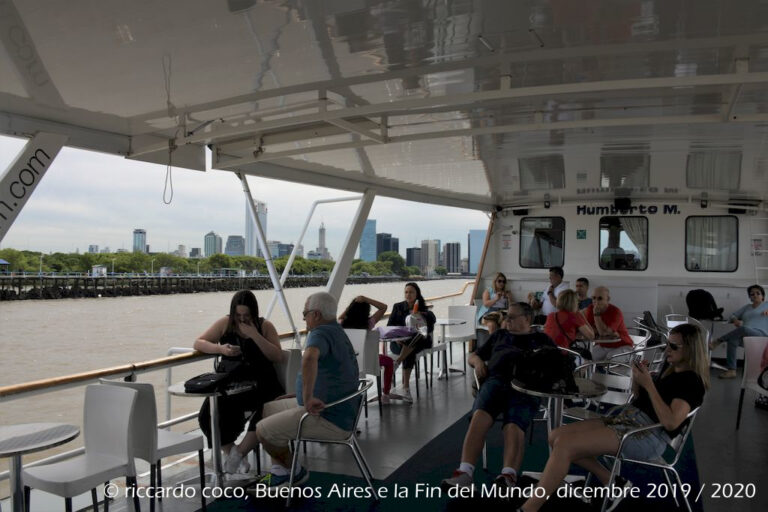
(328, 177)
(346, 125)
(472, 99)
(496, 59)
(490, 130)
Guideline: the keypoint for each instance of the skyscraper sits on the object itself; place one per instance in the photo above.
(394, 244)
(368, 241)
(235, 246)
(475, 242)
(413, 257)
(93, 249)
(322, 249)
(452, 256)
(430, 255)
(251, 240)
(139, 240)
(383, 243)
(212, 244)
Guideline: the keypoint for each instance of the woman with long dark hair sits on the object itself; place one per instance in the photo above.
(242, 338)
(358, 316)
(667, 400)
(414, 304)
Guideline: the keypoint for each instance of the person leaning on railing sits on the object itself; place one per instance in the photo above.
(666, 400)
(242, 337)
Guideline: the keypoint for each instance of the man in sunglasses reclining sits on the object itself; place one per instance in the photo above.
(497, 397)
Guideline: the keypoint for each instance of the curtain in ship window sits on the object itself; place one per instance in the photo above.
(636, 229)
(719, 170)
(711, 244)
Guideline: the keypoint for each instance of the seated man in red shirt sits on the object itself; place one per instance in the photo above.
(608, 322)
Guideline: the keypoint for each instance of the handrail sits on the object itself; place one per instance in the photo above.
(15, 391)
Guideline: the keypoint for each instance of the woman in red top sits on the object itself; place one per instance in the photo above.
(567, 322)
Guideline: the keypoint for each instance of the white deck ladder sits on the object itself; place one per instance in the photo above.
(758, 244)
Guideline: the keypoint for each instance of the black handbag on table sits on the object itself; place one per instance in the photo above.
(228, 371)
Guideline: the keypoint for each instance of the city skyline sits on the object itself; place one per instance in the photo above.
(79, 203)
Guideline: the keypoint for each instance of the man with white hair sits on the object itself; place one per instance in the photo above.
(328, 372)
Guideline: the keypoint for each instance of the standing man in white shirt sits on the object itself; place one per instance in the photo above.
(548, 301)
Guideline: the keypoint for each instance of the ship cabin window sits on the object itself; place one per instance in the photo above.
(542, 242)
(623, 243)
(542, 172)
(718, 170)
(712, 243)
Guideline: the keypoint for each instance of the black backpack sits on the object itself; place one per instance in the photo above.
(656, 336)
(702, 306)
(545, 369)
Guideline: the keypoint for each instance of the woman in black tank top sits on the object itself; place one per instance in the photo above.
(245, 338)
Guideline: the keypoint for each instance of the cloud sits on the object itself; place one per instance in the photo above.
(92, 198)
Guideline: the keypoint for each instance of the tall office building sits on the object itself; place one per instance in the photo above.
(452, 257)
(475, 242)
(430, 256)
(322, 249)
(368, 241)
(235, 246)
(383, 243)
(139, 240)
(413, 257)
(196, 252)
(251, 239)
(212, 244)
(181, 252)
(394, 244)
(93, 249)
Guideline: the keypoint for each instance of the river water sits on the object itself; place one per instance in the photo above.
(50, 338)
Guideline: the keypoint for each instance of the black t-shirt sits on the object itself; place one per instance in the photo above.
(683, 385)
(503, 347)
(400, 312)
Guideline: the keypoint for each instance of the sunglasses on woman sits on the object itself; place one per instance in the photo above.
(672, 346)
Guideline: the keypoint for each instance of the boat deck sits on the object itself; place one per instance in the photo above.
(723, 455)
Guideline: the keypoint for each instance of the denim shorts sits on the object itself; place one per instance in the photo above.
(646, 445)
(496, 397)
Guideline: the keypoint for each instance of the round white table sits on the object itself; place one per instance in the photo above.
(234, 389)
(443, 323)
(16, 440)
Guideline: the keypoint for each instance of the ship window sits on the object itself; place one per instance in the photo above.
(623, 243)
(541, 242)
(542, 172)
(625, 168)
(718, 170)
(712, 243)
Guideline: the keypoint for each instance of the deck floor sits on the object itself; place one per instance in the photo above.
(723, 454)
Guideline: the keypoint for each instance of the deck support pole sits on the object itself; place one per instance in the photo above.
(341, 269)
(20, 179)
(268, 258)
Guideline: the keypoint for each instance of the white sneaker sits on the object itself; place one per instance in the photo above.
(403, 394)
(235, 463)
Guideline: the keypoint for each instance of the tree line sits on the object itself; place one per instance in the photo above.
(388, 263)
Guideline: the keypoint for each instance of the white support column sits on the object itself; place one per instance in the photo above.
(268, 259)
(292, 257)
(21, 178)
(341, 268)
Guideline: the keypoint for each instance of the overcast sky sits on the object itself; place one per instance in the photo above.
(93, 198)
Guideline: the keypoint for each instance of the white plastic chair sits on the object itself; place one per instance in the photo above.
(461, 333)
(107, 431)
(288, 369)
(618, 389)
(366, 346)
(350, 441)
(153, 444)
(753, 352)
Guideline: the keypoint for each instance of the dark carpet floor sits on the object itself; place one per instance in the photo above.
(415, 485)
